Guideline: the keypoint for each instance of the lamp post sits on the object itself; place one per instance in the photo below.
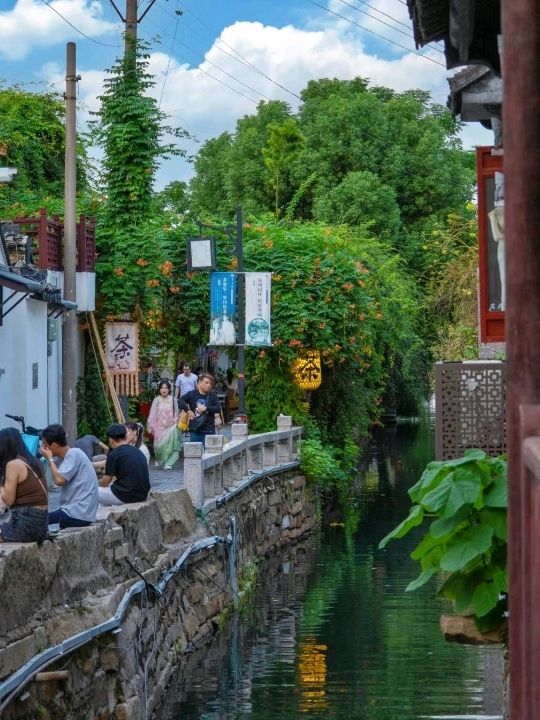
(201, 255)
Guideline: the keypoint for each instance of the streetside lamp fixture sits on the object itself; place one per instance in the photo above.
(306, 370)
(201, 254)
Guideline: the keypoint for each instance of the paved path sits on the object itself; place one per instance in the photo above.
(159, 479)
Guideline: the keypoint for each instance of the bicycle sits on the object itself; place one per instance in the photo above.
(30, 435)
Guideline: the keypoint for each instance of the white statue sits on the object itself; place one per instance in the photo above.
(496, 220)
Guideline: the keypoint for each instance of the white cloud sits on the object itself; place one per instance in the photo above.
(290, 56)
(31, 25)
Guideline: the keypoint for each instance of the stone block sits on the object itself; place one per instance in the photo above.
(108, 658)
(286, 522)
(128, 710)
(214, 443)
(16, 654)
(297, 508)
(298, 483)
(194, 478)
(121, 552)
(113, 536)
(239, 431)
(178, 518)
(284, 422)
(193, 450)
(142, 528)
(195, 593)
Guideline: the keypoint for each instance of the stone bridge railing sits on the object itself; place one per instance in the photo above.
(223, 466)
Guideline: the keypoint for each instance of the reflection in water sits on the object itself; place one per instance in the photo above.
(332, 634)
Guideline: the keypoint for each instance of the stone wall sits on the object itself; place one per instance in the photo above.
(55, 591)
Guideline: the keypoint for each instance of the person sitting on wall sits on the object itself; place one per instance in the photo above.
(75, 476)
(23, 492)
(92, 447)
(126, 478)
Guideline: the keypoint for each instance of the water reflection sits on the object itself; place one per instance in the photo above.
(332, 634)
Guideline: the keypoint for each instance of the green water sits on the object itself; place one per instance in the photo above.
(332, 634)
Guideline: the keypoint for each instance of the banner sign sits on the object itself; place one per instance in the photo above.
(122, 356)
(222, 308)
(258, 308)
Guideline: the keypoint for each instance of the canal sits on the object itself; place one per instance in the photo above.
(330, 632)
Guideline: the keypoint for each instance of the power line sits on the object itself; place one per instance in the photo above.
(221, 70)
(98, 42)
(240, 58)
(362, 27)
(395, 29)
(169, 62)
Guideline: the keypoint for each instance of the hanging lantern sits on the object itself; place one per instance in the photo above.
(306, 370)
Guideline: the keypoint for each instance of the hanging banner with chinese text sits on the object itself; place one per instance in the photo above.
(222, 308)
(258, 308)
(122, 355)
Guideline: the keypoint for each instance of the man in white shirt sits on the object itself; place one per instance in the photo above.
(75, 476)
(185, 382)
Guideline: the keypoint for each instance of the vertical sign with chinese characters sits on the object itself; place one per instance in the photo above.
(258, 308)
(222, 308)
(122, 355)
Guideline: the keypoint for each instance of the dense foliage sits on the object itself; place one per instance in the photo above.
(32, 133)
(466, 501)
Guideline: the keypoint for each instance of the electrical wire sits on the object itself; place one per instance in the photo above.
(170, 56)
(382, 37)
(98, 42)
(395, 29)
(240, 58)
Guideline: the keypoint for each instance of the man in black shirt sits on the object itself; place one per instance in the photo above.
(201, 405)
(126, 478)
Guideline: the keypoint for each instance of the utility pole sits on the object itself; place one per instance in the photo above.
(131, 20)
(241, 312)
(70, 340)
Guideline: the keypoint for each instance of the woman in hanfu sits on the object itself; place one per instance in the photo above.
(162, 423)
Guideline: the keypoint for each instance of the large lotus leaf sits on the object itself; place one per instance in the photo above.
(414, 518)
(497, 496)
(422, 579)
(466, 489)
(466, 546)
(485, 598)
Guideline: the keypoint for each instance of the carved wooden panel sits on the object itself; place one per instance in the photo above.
(470, 408)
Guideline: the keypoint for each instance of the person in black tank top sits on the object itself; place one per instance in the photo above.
(23, 491)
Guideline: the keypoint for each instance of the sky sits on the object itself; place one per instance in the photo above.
(214, 60)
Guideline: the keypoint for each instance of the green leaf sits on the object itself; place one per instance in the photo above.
(422, 579)
(426, 545)
(466, 489)
(466, 546)
(415, 517)
(496, 518)
(445, 526)
(498, 495)
(427, 480)
(437, 498)
(460, 587)
(485, 598)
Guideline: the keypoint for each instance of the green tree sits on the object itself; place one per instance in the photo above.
(32, 130)
(282, 147)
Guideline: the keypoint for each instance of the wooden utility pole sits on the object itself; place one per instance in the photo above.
(131, 20)
(70, 344)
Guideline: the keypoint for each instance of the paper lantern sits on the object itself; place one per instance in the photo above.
(306, 370)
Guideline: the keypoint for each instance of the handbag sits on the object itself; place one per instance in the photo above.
(183, 421)
(198, 421)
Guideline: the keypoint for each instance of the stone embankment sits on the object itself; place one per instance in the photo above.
(66, 588)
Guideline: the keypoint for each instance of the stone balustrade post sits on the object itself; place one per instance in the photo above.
(193, 472)
(284, 422)
(214, 446)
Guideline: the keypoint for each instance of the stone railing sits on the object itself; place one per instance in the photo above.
(210, 474)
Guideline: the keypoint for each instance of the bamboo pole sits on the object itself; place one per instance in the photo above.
(116, 404)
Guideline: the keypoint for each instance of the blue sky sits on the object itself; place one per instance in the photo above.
(218, 58)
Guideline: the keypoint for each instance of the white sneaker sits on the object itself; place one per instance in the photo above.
(167, 467)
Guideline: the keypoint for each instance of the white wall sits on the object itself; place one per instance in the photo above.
(23, 342)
